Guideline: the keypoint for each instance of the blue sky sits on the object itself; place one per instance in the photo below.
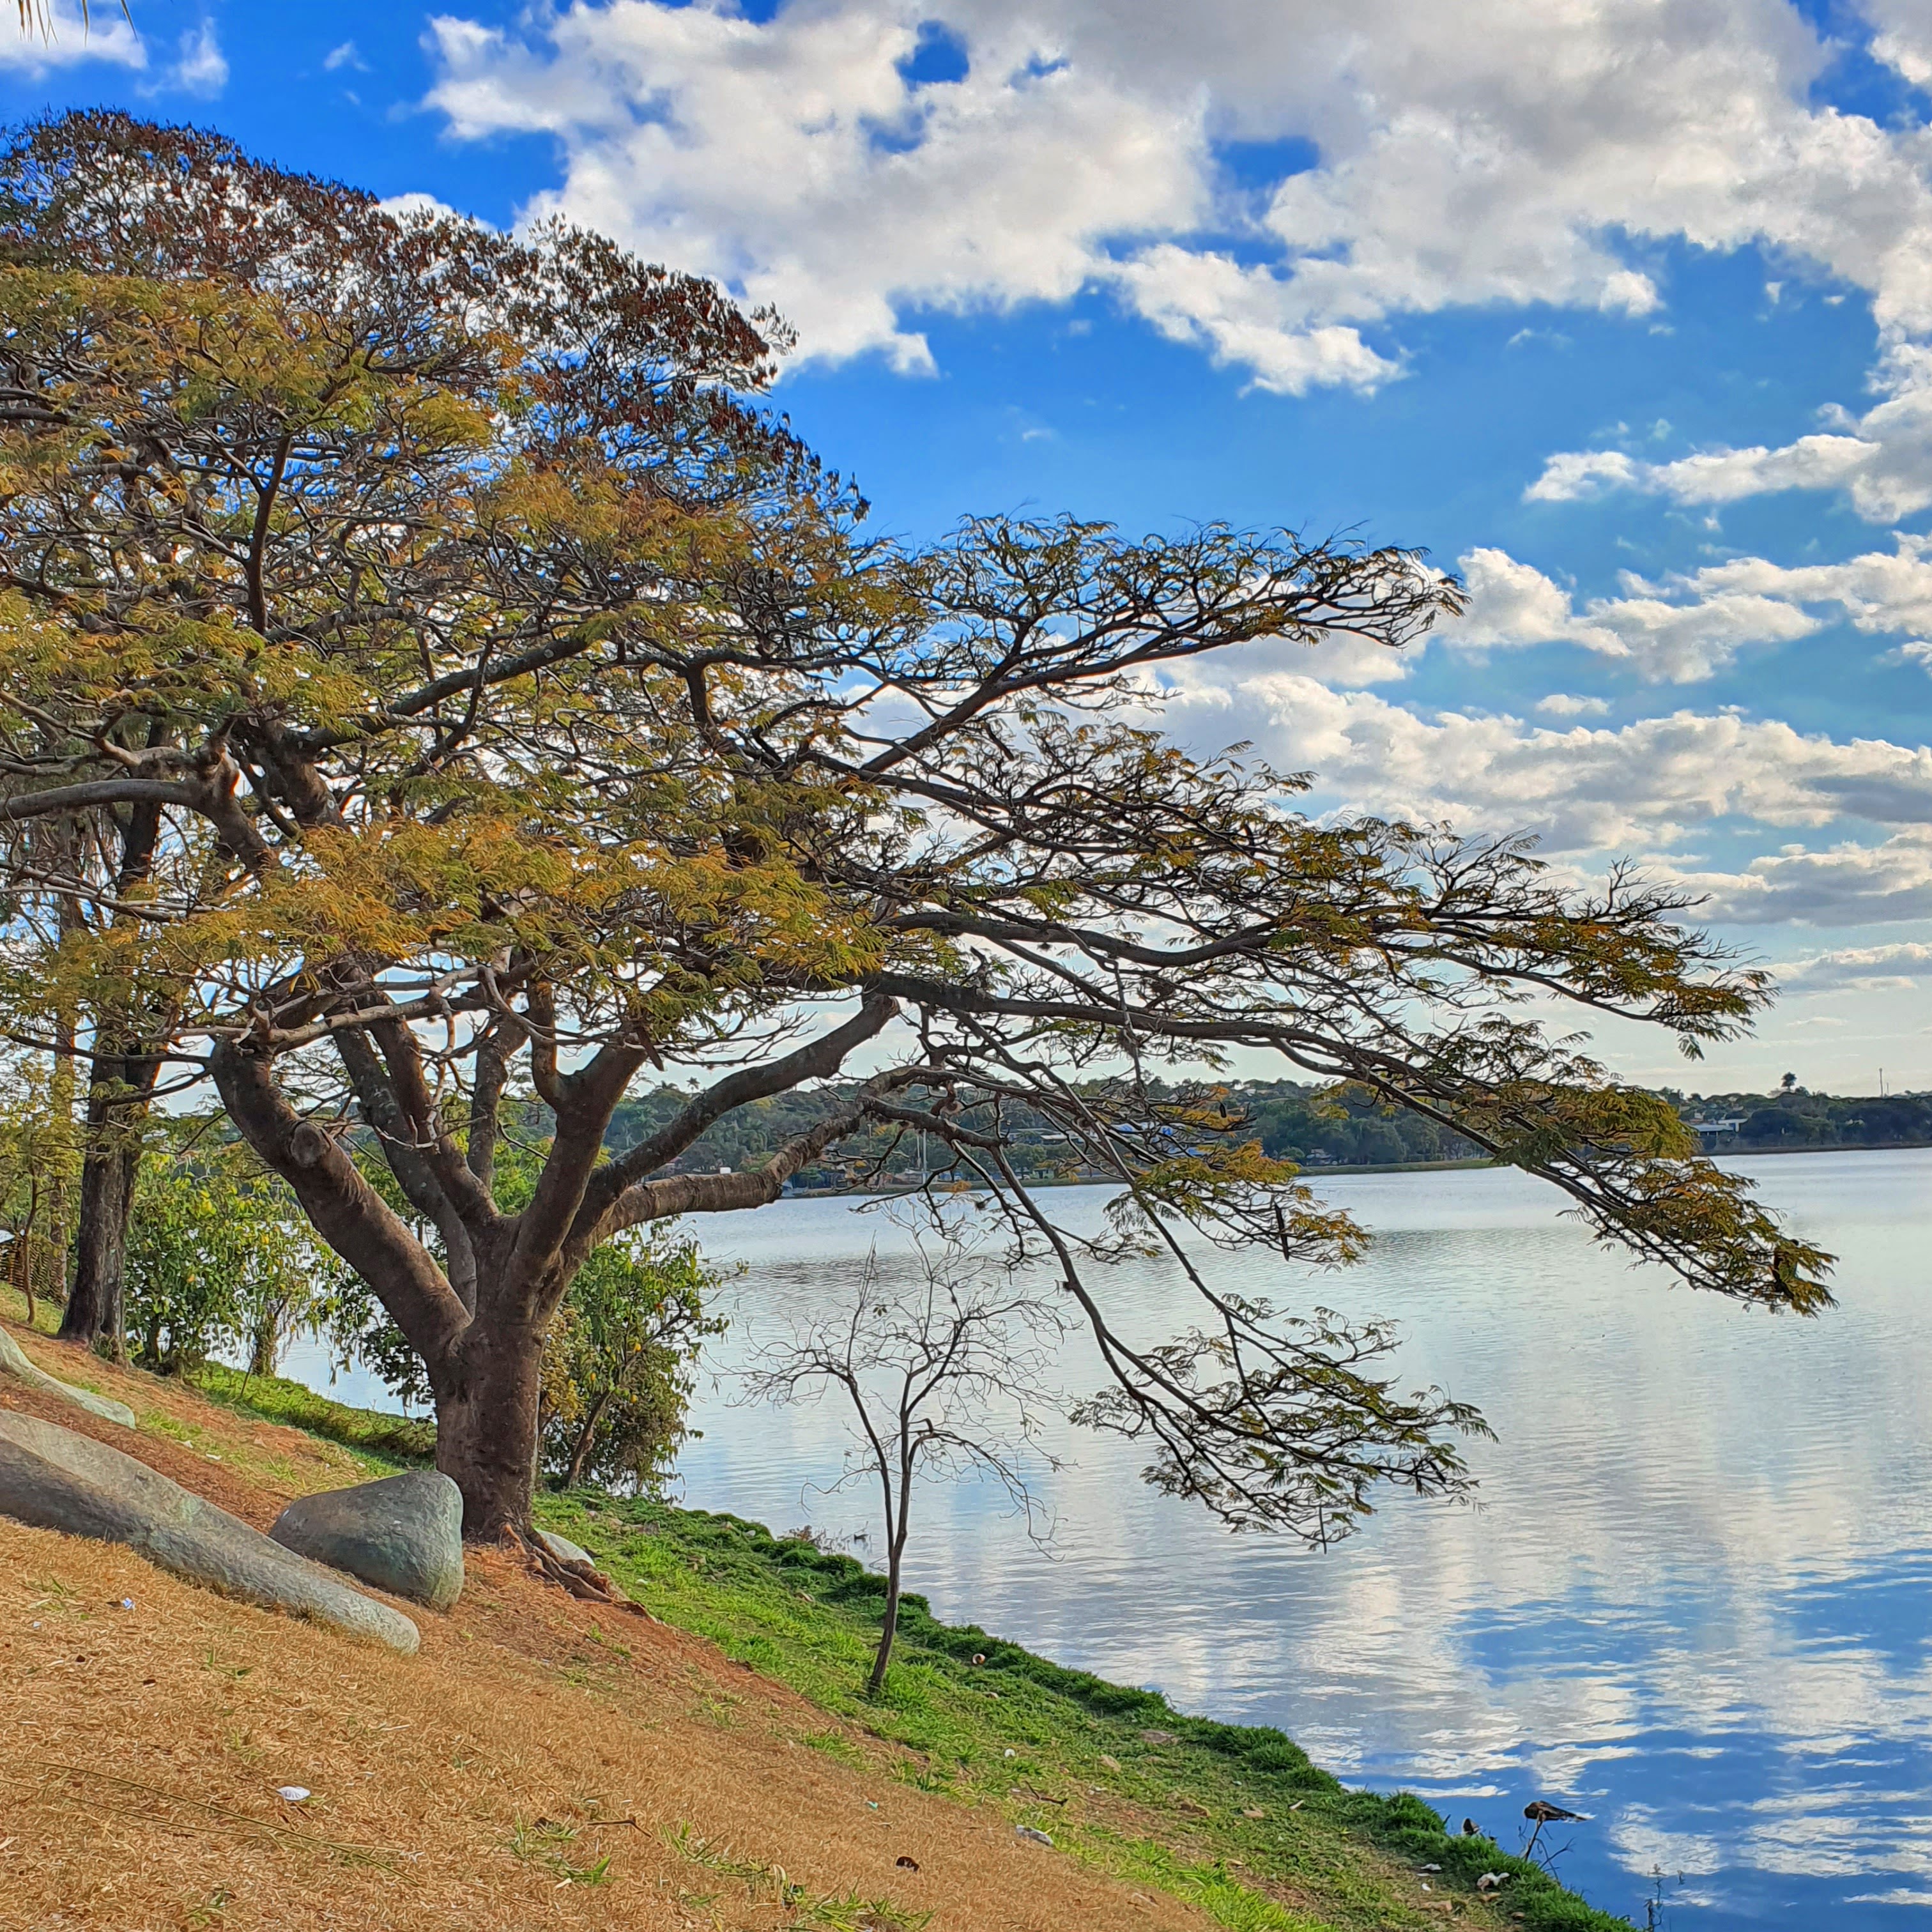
(1623, 308)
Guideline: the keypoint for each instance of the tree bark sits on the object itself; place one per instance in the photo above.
(486, 1425)
(96, 1311)
(889, 1629)
(581, 1449)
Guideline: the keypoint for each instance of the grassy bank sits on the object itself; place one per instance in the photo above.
(1233, 1818)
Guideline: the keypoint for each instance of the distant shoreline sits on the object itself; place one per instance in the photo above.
(1350, 1168)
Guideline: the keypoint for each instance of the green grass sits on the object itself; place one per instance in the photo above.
(398, 1439)
(1172, 1801)
(1155, 1797)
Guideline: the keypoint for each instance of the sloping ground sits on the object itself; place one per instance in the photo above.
(548, 1762)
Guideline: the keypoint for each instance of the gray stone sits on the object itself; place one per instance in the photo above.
(55, 1480)
(13, 1362)
(402, 1534)
(563, 1550)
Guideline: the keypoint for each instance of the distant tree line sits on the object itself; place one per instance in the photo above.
(1796, 1117)
(1340, 1126)
(1343, 1125)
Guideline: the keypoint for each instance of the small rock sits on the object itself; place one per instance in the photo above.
(291, 1794)
(1112, 1763)
(403, 1534)
(1038, 1837)
(563, 1550)
(1010, 1752)
(1158, 1738)
(1253, 1811)
(1492, 1881)
(905, 1864)
(1429, 1868)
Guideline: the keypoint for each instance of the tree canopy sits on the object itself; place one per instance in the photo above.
(497, 699)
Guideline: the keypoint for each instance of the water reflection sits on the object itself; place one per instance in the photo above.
(1693, 1602)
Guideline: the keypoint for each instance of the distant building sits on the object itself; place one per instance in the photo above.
(1711, 1130)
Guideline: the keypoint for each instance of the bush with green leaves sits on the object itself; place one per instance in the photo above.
(619, 1362)
(218, 1256)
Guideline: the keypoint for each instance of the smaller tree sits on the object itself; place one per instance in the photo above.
(944, 1381)
(39, 1165)
(218, 1254)
(620, 1359)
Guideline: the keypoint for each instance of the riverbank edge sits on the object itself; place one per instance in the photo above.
(1233, 1818)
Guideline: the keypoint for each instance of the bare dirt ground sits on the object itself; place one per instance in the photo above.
(542, 1763)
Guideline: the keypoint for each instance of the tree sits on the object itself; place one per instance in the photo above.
(519, 701)
(216, 1256)
(38, 1163)
(945, 1380)
(620, 1360)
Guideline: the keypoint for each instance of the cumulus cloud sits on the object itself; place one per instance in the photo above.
(1847, 884)
(1694, 623)
(1902, 964)
(71, 38)
(1881, 462)
(1496, 152)
(1645, 786)
(1562, 704)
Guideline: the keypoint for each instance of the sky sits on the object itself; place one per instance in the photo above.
(1621, 309)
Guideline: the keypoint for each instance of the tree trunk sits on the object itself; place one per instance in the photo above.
(97, 1305)
(890, 1628)
(581, 1450)
(486, 1426)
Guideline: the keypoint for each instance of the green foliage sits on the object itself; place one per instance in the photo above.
(39, 1170)
(618, 1361)
(1798, 1117)
(396, 1438)
(217, 1253)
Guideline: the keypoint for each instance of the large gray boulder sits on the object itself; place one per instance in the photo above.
(403, 1534)
(13, 1362)
(55, 1480)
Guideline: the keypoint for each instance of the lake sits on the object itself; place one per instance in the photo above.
(1694, 1601)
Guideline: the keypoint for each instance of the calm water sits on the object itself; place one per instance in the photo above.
(1695, 1602)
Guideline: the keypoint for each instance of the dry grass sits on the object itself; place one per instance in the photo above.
(542, 1763)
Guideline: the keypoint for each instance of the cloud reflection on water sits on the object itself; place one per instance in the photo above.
(1694, 1599)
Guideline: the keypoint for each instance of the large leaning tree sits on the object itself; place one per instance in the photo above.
(427, 675)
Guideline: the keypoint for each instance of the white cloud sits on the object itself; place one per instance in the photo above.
(71, 38)
(200, 67)
(1917, 652)
(1561, 704)
(347, 56)
(1473, 152)
(1904, 963)
(1644, 787)
(1845, 884)
(1882, 462)
(1693, 624)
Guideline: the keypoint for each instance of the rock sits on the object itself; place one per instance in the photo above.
(404, 1534)
(54, 1479)
(13, 1362)
(563, 1550)
(1158, 1738)
(1038, 1837)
